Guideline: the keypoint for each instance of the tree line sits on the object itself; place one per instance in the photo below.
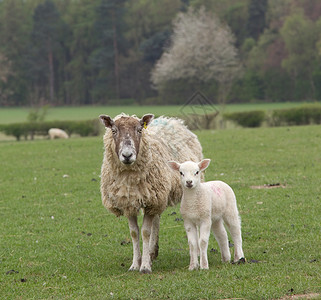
(81, 52)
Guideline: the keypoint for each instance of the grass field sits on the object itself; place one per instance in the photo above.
(58, 242)
(13, 115)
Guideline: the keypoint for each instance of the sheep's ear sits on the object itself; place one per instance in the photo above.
(174, 165)
(204, 164)
(146, 120)
(107, 121)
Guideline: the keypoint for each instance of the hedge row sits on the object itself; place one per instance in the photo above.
(30, 129)
(304, 115)
(247, 119)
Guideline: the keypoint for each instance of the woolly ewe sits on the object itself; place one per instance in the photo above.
(205, 206)
(135, 174)
(57, 133)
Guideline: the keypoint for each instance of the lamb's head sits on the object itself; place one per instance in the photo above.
(190, 172)
(127, 132)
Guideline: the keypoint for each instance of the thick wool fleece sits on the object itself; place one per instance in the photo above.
(149, 183)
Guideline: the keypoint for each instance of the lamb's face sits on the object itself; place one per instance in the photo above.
(127, 132)
(190, 172)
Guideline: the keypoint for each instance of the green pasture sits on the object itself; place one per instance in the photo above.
(57, 241)
(14, 115)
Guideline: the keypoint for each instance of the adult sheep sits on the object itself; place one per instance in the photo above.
(57, 133)
(135, 174)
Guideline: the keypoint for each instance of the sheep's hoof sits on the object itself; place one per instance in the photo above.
(145, 270)
(134, 267)
(204, 268)
(240, 261)
(193, 267)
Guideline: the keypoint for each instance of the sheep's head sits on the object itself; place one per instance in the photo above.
(190, 171)
(127, 132)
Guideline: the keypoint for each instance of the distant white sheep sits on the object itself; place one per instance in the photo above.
(204, 206)
(57, 133)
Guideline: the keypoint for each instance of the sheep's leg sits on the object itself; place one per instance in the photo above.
(222, 239)
(153, 241)
(192, 236)
(205, 230)
(234, 226)
(198, 238)
(134, 232)
(146, 266)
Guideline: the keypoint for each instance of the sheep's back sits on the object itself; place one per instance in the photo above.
(181, 143)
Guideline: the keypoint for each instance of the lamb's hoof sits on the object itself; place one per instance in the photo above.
(145, 270)
(240, 261)
(193, 267)
(134, 267)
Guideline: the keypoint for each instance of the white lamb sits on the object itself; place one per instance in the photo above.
(204, 206)
(57, 133)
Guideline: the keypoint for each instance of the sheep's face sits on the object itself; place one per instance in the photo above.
(127, 133)
(190, 172)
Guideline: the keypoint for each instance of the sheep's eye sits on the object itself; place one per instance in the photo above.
(181, 173)
(114, 131)
(139, 130)
(197, 172)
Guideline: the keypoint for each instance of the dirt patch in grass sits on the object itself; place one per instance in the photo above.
(306, 296)
(268, 186)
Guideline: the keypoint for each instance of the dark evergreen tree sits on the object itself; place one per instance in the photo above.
(45, 45)
(105, 58)
(14, 29)
(153, 47)
(256, 21)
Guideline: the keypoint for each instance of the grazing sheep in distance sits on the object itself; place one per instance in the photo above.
(206, 205)
(57, 133)
(135, 174)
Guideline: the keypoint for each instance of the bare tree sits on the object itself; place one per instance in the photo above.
(203, 48)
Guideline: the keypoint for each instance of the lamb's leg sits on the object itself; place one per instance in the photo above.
(192, 236)
(222, 239)
(146, 266)
(134, 232)
(205, 231)
(234, 226)
(153, 241)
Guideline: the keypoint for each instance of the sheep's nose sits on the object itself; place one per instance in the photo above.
(189, 183)
(127, 156)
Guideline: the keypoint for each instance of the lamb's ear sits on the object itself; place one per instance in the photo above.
(146, 120)
(204, 164)
(107, 121)
(174, 165)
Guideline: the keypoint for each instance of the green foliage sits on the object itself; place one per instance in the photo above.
(61, 242)
(83, 128)
(95, 51)
(250, 88)
(38, 114)
(247, 119)
(44, 49)
(236, 17)
(303, 115)
(256, 21)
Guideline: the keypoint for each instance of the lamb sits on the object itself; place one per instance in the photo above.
(135, 175)
(205, 205)
(57, 133)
